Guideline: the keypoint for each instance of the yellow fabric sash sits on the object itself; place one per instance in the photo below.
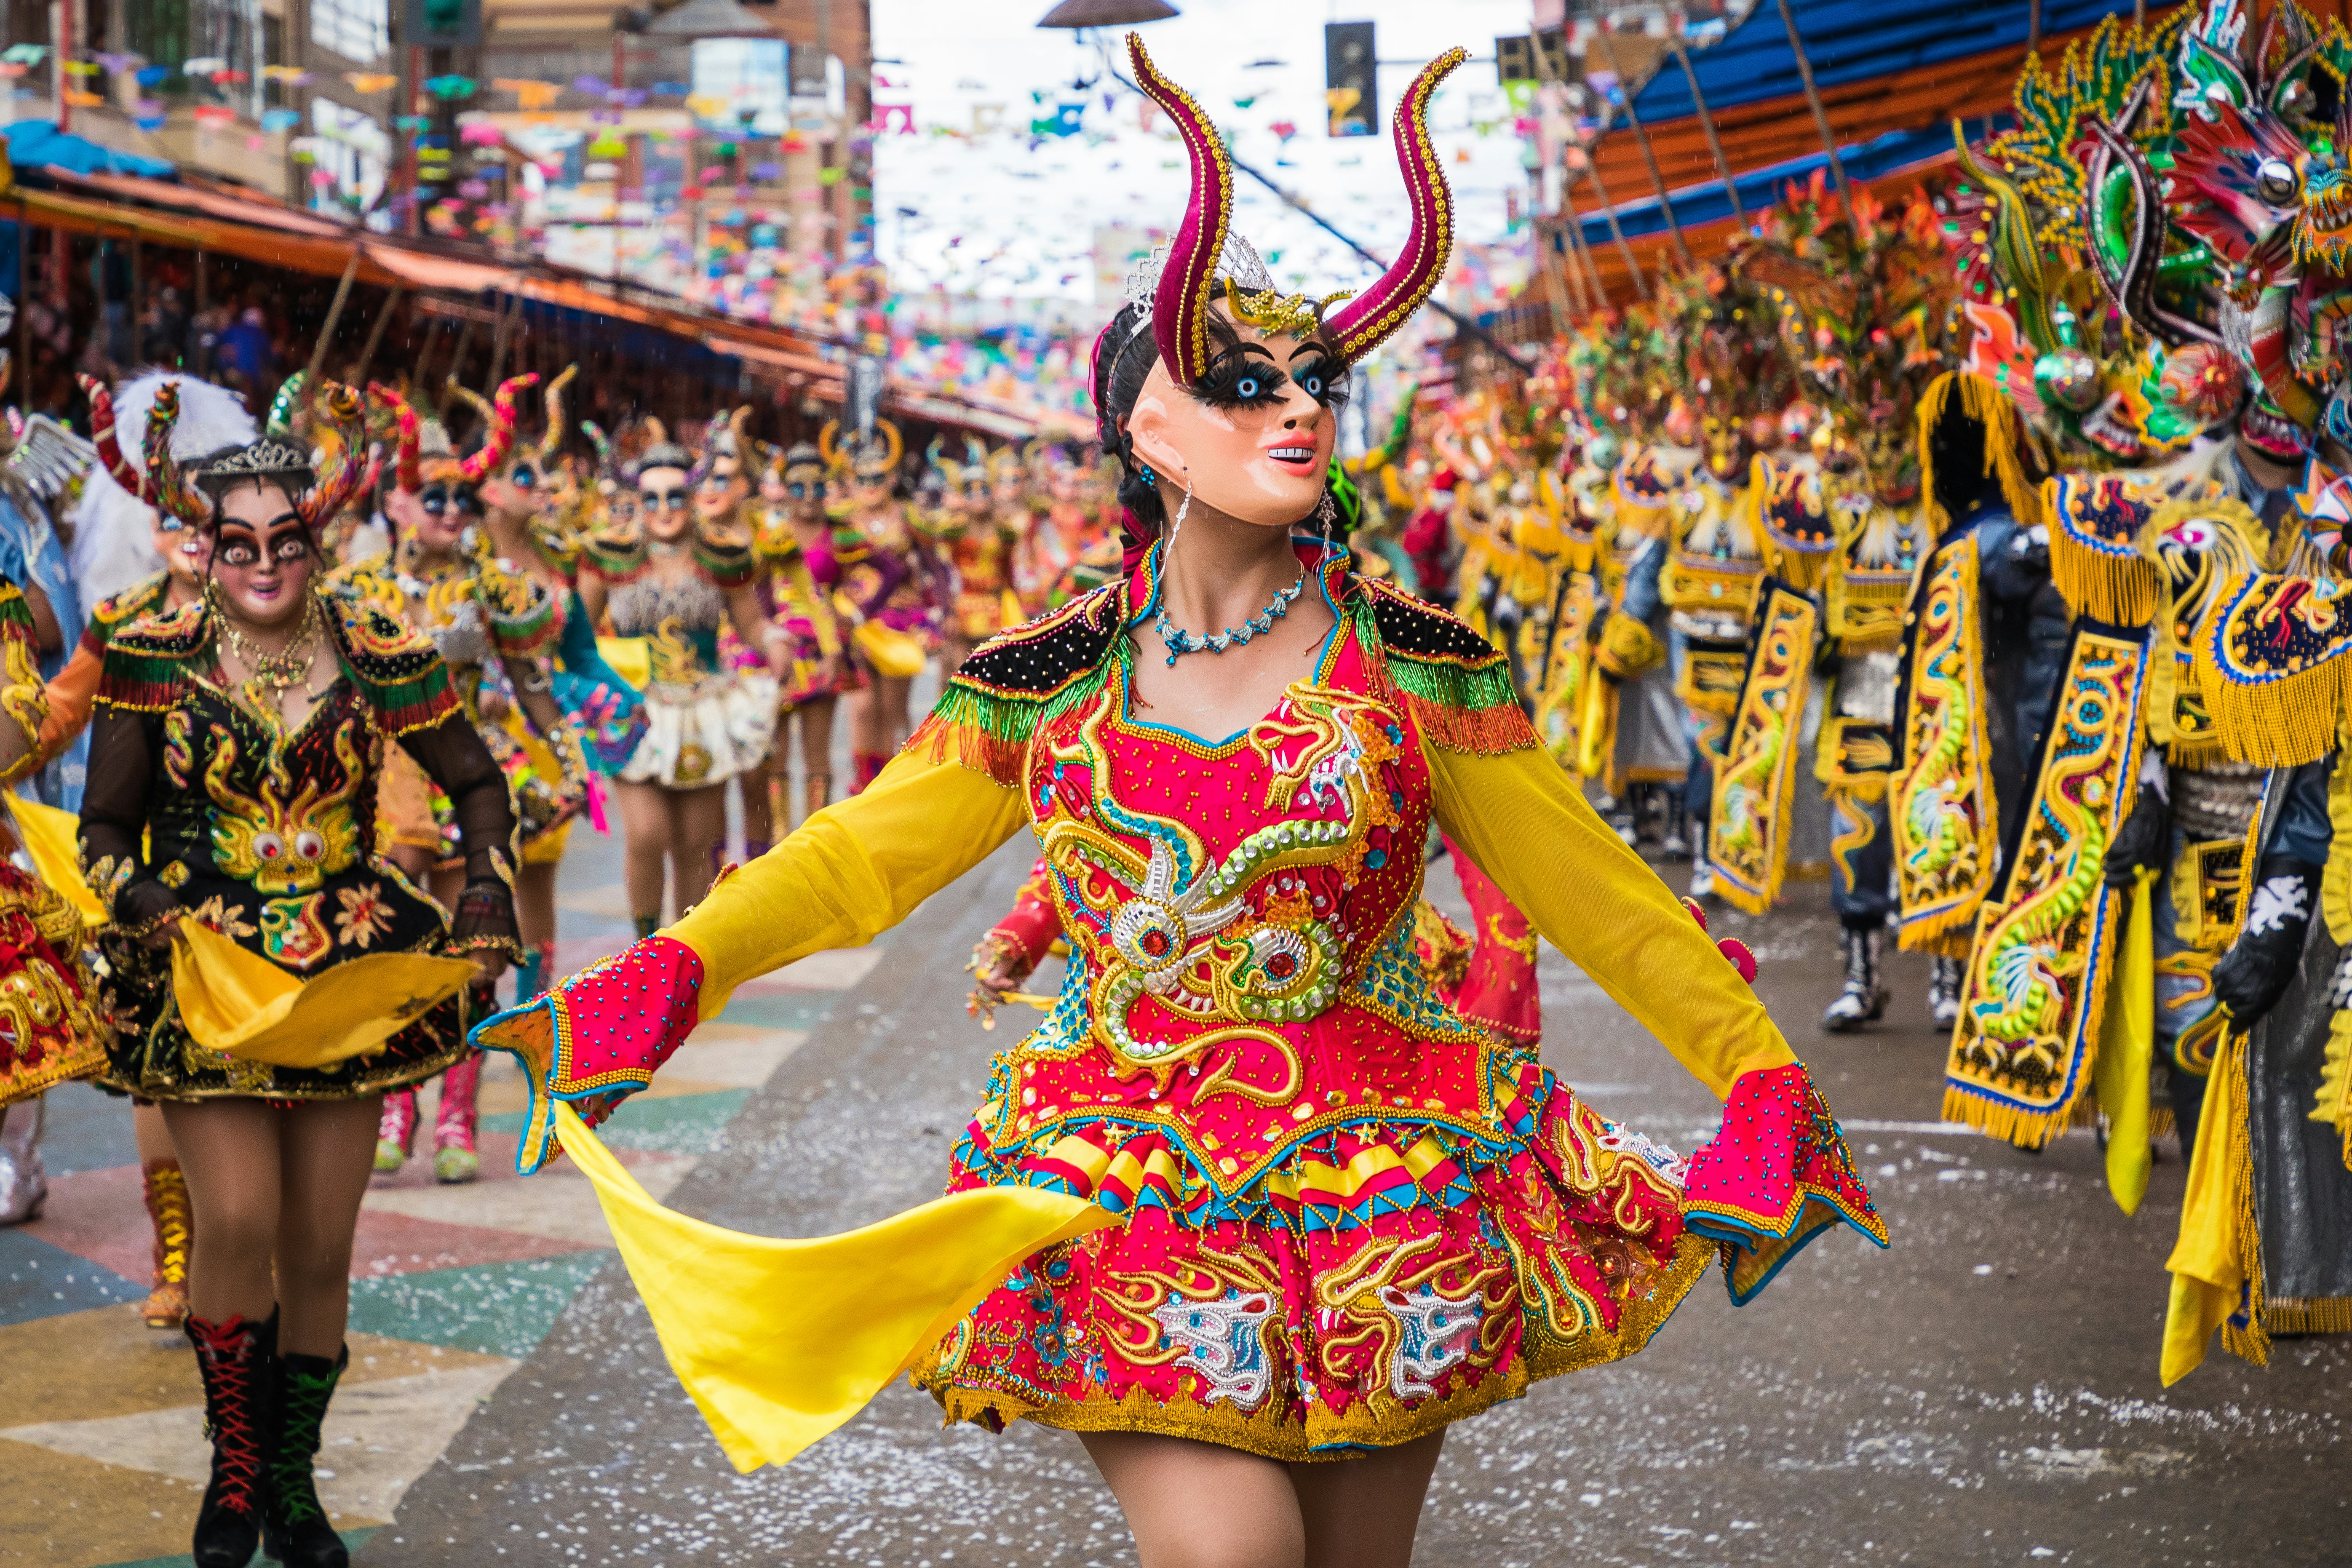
(780, 1341)
(2127, 1047)
(237, 1002)
(51, 838)
(2215, 1265)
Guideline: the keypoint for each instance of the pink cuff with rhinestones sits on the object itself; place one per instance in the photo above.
(1778, 1174)
(598, 1037)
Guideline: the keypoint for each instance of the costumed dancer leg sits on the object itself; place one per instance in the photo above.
(24, 1183)
(455, 1159)
(1861, 891)
(396, 1133)
(165, 1187)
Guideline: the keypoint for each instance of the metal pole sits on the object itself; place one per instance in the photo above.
(498, 342)
(1642, 136)
(1583, 252)
(334, 314)
(1820, 115)
(375, 335)
(1609, 211)
(138, 301)
(2033, 26)
(1564, 258)
(1707, 123)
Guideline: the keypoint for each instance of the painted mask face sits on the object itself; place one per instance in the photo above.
(723, 490)
(261, 554)
(512, 490)
(1255, 440)
(182, 547)
(1727, 450)
(665, 503)
(804, 492)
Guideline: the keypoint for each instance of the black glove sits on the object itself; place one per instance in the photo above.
(2254, 974)
(2145, 839)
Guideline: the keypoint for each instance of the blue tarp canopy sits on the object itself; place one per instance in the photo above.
(33, 143)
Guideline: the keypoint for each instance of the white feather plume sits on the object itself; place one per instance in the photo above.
(113, 544)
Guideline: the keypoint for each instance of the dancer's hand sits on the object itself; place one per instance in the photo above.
(490, 963)
(162, 935)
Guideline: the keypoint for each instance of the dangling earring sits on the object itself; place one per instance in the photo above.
(1150, 480)
(1179, 523)
(1328, 513)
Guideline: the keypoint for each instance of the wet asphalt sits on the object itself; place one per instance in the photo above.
(1985, 1392)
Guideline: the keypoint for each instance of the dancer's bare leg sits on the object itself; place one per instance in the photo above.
(1198, 1505)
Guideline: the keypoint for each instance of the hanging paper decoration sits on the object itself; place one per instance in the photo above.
(479, 133)
(81, 68)
(83, 100)
(449, 89)
(149, 75)
(530, 95)
(275, 119)
(292, 76)
(706, 106)
(204, 66)
(411, 121)
(608, 146)
(9, 70)
(116, 64)
(371, 81)
(215, 114)
(25, 53)
(148, 122)
(669, 89)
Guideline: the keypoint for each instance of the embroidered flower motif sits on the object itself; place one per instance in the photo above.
(363, 918)
(222, 916)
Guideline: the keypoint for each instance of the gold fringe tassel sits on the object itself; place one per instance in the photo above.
(2012, 1124)
(2280, 723)
(2309, 1315)
(2333, 1104)
(2112, 580)
(2252, 1341)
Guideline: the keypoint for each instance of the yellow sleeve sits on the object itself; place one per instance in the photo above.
(850, 872)
(1527, 824)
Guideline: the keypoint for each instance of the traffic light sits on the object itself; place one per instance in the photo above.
(1351, 79)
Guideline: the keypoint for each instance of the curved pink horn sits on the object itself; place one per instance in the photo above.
(1179, 309)
(1368, 320)
(119, 469)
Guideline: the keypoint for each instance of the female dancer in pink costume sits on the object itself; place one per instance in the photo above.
(1303, 1216)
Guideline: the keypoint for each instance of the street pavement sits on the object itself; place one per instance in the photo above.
(1986, 1392)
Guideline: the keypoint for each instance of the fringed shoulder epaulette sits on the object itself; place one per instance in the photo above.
(520, 610)
(15, 615)
(1454, 683)
(147, 658)
(616, 554)
(395, 666)
(727, 556)
(2275, 666)
(366, 583)
(1017, 681)
(559, 545)
(2096, 525)
(118, 609)
(777, 544)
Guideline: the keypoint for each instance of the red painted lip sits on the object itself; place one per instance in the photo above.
(1296, 465)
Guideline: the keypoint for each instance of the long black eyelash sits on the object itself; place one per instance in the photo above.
(1220, 387)
(1337, 386)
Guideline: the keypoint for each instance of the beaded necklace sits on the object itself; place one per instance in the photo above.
(1180, 642)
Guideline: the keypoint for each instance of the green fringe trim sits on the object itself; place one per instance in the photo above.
(15, 615)
(139, 682)
(406, 706)
(1462, 705)
(989, 731)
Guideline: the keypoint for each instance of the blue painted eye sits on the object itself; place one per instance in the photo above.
(1313, 383)
(1249, 386)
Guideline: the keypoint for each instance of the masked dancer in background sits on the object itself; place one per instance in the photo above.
(674, 581)
(237, 743)
(887, 589)
(797, 584)
(493, 627)
(1231, 759)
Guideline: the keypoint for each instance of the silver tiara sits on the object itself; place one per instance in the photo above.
(268, 458)
(1238, 261)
